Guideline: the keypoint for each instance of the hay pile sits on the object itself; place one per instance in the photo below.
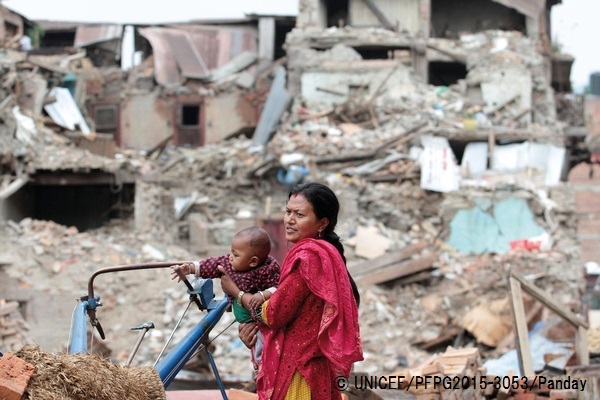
(87, 376)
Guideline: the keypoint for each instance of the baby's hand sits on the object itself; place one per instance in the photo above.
(185, 268)
(255, 301)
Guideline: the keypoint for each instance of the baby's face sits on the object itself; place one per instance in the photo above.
(241, 255)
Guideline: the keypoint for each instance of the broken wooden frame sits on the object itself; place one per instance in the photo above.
(518, 283)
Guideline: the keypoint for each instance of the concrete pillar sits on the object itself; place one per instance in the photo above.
(266, 41)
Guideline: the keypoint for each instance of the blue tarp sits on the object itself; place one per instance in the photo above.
(488, 228)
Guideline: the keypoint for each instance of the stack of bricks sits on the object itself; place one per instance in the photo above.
(13, 328)
(447, 376)
(458, 374)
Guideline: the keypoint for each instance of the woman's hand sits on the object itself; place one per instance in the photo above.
(247, 332)
(227, 284)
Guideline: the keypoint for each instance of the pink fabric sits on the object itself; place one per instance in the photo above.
(337, 335)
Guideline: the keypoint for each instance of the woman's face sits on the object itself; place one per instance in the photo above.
(300, 220)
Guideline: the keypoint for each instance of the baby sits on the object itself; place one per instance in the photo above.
(250, 267)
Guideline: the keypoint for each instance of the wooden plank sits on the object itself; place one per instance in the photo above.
(521, 330)
(548, 302)
(380, 16)
(401, 138)
(370, 154)
(581, 341)
(12, 188)
(394, 271)
(468, 351)
(491, 146)
(504, 345)
(366, 267)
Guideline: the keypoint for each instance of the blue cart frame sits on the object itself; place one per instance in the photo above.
(201, 293)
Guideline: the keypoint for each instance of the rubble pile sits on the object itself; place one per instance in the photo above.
(13, 327)
(54, 258)
(421, 292)
(419, 316)
(488, 56)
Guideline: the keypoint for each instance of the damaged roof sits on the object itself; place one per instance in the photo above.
(192, 51)
(531, 8)
(92, 34)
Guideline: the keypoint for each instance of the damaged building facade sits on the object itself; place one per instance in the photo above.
(437, 128)
(182, 76)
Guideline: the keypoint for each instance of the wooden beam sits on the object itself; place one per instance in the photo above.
(393, 257)
(505, 344)
(548, 302)
(401, 138)
(380, 16)
(368, 154)
(517, 283)
(395, 271)
(456, 56)
(501, 133)
(581, 343)
(522, 332)
(491, 148)
(12, 188)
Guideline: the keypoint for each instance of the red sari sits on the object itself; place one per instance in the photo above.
(312, 324)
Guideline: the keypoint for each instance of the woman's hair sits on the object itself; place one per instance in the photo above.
(325, 204)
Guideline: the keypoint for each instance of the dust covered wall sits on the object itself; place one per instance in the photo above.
(404, 14)
(310, 13)
(227, 114)
(146, 119)
(335, 83)
(451, 17)
(11, 25)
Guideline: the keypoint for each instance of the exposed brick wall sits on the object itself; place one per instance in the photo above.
(587, 200)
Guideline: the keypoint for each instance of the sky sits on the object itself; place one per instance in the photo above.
(575, 23)
(576, 28)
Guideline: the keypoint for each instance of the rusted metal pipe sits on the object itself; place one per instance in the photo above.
(128, 267)
(119, 268)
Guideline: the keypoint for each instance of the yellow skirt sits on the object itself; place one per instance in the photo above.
(298, 389)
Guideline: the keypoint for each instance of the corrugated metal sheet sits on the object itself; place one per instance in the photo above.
(90, 34)
(191, 52)
(531, 8)
(189, 60)
(277, 102)
(166, 72)
(404, 14)
(64, 111)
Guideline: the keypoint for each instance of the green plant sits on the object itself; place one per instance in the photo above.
(36, 33)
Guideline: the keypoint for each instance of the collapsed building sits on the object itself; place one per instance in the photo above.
(449, 137)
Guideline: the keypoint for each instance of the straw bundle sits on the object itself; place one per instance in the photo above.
(87, 376)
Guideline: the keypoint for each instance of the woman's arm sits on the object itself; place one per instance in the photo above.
(285, 304)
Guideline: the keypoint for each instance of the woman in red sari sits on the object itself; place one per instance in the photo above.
(310, 324)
